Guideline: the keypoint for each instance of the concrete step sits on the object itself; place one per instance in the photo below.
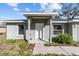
(36, 41)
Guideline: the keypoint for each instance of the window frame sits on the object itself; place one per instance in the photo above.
(19, 29)
(56, 30)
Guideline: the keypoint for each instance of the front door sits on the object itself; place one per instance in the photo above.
(39, 30)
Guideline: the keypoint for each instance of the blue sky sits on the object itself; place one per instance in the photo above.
(13, 11)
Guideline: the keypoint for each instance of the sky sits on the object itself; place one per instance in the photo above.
(13, 11)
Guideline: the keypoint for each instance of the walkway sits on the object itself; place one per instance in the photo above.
(67, 50)
(36, 41)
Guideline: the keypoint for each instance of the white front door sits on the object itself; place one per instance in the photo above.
(39, 30)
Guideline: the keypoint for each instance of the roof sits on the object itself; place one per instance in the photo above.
(14, 21)
(2, 24)
(73, 20)
(59, 21)
(39, 14)
(54, 21)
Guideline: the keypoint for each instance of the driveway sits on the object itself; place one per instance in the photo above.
(67, 50)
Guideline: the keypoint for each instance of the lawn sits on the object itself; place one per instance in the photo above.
(19, 48)
(15, 48)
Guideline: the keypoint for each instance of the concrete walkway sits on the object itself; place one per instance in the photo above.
(36, 41)
(67, 50)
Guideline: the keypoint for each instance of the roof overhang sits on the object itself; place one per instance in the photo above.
(71, 21)
(59, 21)
(39, 14)
(14, 21)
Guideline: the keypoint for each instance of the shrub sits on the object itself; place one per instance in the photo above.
(23, 46)
(63, 38)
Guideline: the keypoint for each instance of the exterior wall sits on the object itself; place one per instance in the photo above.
(69, 28)
(46, 33)
(33, 30)
(63, 28)
(75, 31)
(46, 30)
(78, 32)
(12, 32)
(31, 35)
(66, 28)
(2, 30)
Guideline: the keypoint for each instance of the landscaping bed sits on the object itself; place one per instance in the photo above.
(57, 44)
(7, 54)
(49, 54)
(15, 48)
(63, 40)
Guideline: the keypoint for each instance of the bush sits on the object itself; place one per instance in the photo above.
(23, 46)
(63, 39)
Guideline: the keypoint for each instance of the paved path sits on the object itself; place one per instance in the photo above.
(67, 50)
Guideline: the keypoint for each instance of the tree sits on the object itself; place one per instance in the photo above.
(70, 10)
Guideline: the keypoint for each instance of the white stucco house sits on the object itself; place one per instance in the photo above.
(41, 26)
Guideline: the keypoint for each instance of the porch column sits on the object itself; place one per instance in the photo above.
(50, 31)
(29, 29)
(24, 31)
(63, 28)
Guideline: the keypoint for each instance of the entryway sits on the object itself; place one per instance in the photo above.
(39, 30)
(38, 33)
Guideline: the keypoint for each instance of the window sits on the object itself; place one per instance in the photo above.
(57, 29)
(32, 26)
(21, 29)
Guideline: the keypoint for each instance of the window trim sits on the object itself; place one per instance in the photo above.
(20, 30)
(62, 31)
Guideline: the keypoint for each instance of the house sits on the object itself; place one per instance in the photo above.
(2, 29)
(40, 26)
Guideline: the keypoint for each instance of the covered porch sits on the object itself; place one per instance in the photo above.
(39, 27)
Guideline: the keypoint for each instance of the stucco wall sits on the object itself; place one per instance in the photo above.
(74, 31)
(30, 34)
(78, 32)
(46, 33)
(75, 28)
(69, 28)
(66, 28)
(12, 32)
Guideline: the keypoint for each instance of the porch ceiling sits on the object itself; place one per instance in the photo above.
(39, 17)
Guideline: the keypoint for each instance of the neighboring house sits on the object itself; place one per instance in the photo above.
(2, 28)
(41, 26)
